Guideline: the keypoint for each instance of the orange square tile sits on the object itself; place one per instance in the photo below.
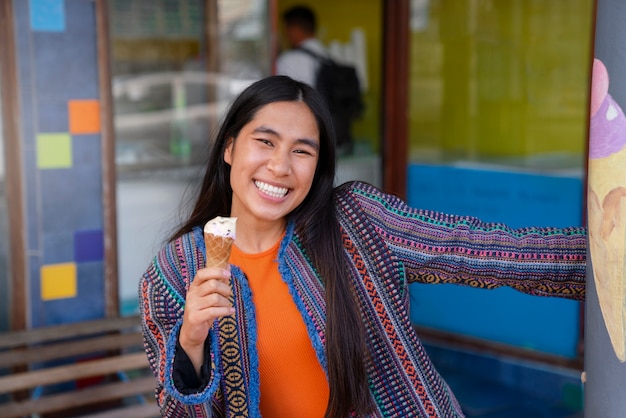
(84, 116)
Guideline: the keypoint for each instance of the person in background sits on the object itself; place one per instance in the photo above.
(300, 26)
(311, 319)
(308, 61)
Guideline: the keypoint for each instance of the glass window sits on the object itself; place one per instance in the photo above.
(497, 129)
(176, 65)
(502, 82)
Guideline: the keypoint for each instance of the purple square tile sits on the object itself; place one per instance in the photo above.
(88, 246)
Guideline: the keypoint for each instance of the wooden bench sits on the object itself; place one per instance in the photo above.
(98, 368)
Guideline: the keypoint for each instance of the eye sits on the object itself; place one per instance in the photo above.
(304, 151)
(265, 141)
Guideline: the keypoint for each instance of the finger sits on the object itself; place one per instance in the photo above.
(199, 303)
(213, 286)
(206, 314)
(226, 275)
(213, 299)
(218, 311)
(211, 273)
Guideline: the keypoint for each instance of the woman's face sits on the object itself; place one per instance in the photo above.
(273, 161)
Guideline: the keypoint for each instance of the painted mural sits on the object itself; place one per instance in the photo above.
(607, 205)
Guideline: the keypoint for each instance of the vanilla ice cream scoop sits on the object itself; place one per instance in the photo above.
(221, 226)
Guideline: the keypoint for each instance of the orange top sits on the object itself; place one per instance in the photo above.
(293, 382)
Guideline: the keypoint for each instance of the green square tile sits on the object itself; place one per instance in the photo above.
(54, 150)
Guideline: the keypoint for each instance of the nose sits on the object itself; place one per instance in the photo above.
(279, 163)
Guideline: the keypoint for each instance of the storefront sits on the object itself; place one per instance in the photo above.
(476, 108)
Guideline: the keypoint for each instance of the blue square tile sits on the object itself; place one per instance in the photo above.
(88, 246)
(47, 15)
(81, 17)
(53, 116)
(87, 150)
(91, 281)
(88, 186)
(57, 247)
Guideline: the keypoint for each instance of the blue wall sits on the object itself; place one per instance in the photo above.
(519, 199)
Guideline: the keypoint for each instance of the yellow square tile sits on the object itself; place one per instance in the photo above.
(58, 281)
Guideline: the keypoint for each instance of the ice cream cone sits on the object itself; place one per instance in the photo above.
(607, 206)
(219, 235)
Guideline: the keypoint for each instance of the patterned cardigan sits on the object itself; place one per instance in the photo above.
(388, 245)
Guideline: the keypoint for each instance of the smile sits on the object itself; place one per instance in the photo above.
(270, 190)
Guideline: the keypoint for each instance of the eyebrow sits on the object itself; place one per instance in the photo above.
(306, 141)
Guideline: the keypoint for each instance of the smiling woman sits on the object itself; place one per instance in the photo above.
(311, 318)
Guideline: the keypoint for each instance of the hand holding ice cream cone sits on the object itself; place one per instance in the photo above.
(209, 295)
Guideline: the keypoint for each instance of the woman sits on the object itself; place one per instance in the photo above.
(312, 318)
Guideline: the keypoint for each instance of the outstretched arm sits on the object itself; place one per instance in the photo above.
(439, 248)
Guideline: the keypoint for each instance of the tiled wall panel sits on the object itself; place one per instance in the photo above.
(56, 43)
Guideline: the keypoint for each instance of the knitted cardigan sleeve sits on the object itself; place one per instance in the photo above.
(162, 291)
(440, 248)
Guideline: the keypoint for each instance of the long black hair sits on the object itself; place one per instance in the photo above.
(317, 225)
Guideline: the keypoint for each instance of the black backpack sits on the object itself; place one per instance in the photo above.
(339, 85)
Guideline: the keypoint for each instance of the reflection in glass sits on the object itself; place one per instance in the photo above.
(176, 65)
(499, 82)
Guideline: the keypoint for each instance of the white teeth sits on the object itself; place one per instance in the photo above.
(270, 190)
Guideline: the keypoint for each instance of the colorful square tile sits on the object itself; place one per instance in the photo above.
(54, 150)
(88, 246)
(47, 15)
(58, 246)
(84, 116)
(86, 150)
(52, 116)
(58, 281)
(91, 285)
(81, 18)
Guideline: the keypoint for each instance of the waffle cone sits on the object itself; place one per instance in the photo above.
(217, 250)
